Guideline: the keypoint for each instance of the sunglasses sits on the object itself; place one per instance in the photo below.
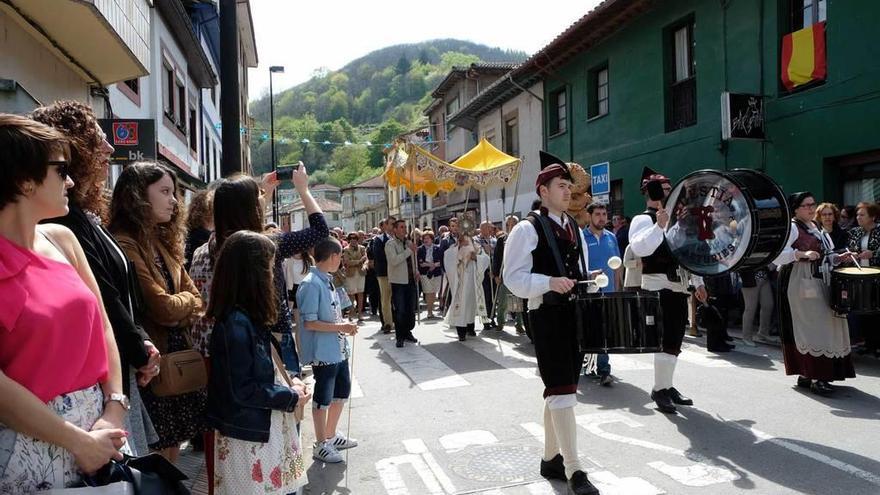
(63, 166)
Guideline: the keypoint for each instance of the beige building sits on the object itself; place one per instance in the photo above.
(364, 204)
(70, 49)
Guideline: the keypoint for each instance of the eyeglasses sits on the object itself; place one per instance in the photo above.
(63, 166)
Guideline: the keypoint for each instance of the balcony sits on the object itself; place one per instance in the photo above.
(105, 41)
(410, 209)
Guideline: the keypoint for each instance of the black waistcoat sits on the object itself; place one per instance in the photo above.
(547, 256)
(661, 260)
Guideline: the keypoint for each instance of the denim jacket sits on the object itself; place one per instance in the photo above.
(241, 388)
(317, 301)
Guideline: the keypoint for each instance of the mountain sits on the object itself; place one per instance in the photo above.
(372, 98)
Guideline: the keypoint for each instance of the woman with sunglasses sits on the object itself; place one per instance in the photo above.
(120, 292)
(815, 343)
(63, 408)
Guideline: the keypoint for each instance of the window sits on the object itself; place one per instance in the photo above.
(374, 198)
(597, 101)
(490, 136)
(168, 91)
(681, 93)
(511, 136)
(558, 112)
(134, 85)
(193, 132)
(452, 106)
(805, 13)
(181, 106)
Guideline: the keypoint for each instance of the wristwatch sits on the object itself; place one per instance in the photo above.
(122, 399)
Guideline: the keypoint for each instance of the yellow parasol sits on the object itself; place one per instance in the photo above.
(419, 171)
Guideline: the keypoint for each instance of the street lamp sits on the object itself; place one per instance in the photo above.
(273, 69)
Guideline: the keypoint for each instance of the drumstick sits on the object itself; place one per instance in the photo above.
(855, 260)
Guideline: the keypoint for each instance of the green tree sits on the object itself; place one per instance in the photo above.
(403, 65)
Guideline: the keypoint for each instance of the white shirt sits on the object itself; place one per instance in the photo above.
(517, 270)
(645, 237)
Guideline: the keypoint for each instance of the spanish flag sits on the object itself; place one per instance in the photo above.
(803, 56)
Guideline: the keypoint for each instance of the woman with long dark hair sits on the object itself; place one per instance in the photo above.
(120, 292)
(815, 342)
(147, 221)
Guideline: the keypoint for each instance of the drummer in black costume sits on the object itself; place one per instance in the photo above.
(662, 273)
(545, 255)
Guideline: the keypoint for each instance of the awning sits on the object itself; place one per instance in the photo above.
(420, 171)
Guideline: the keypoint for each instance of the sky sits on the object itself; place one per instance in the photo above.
(303, 36)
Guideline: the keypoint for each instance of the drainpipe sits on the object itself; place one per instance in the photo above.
(230, 106)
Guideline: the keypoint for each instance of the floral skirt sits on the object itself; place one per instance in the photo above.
(28, 465)
(242, 467)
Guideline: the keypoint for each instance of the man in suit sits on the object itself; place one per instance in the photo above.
(380, 263)
(401, 253)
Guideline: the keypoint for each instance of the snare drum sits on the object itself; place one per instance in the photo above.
(855, 290)
(620, 322)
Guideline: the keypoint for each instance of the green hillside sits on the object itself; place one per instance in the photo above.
(371, 99)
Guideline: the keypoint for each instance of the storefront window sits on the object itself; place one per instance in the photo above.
(865, 187)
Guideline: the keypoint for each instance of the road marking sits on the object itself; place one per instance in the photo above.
(812, 454)
(620, 362)
(459, 441)
(609, 484)
(704, 473)
(696, 355)
(356, 391)
(389, 475)
(417, 446)
(422, 367)
(505, 354)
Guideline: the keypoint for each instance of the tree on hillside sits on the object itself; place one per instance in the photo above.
(403, 65)
(456, 59)
(386, 133)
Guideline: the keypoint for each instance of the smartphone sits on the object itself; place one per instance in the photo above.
(285, 172)
(654, 188)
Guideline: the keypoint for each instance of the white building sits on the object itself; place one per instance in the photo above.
(171, 95)
(70, 49)
(363, 204)
(511, 119)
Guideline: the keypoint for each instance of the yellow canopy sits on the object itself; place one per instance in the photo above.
(420, 171)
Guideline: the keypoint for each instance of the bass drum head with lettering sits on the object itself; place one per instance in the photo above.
(722, 221)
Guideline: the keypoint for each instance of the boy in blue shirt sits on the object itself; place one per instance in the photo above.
(325, 347)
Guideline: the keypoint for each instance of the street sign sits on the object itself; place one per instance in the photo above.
(132, 139)
(600, 179)
(742, 116)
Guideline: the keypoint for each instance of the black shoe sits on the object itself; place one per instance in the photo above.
(803, 382)
(462, 339)
(412, 339)
(579, 484)
(399, 343)
(553, 469)
(822, 388)
(663, 401)
(679, 399)
(728, 338)
(472, 333)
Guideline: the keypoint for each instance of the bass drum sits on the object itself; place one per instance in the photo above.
(620, 322)
(722, 221)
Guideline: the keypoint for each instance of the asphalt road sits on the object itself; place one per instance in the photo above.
(446, 417)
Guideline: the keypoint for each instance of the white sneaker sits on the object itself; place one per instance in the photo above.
(339, 441)
(325, 452)
(749, 342)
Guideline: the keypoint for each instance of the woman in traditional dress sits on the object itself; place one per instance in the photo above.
(465, 266)
(815, 341)
(864, 239)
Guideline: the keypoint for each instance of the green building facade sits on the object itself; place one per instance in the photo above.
(649, 94)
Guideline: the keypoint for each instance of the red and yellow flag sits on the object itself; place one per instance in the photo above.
(803, 56)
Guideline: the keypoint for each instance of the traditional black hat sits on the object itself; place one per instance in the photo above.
(649, 175)
(551, 167)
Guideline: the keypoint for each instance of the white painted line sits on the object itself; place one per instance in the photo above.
(422, 367)
(872, 478)
(356, 391)
(506, 355)
(541, 488)
(456, 442)
(696, 355)
(417, 446)
(389, 475)
(621, 362)
(704, 473)
(609, 484)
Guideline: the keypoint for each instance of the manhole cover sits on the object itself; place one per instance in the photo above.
(501, 464)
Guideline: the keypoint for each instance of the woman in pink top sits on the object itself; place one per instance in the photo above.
(60, 378)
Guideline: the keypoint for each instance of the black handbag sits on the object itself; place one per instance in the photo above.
(151, 474)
